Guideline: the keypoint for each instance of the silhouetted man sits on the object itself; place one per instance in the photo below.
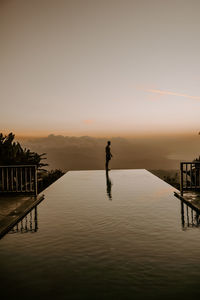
(108, 155)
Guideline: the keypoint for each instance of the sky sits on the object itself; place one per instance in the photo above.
(100, 68)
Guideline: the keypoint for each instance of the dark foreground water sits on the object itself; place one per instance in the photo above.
(93, 237)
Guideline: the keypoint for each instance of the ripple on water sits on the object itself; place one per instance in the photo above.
(88, 247)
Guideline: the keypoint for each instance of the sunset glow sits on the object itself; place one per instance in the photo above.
(73, 68)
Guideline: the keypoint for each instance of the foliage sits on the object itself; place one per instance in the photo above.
(197, 159)
(11, 153)
(172, 177)
(173, 180)
(48, 178)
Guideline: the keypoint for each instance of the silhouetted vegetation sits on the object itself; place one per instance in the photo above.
(47, 178)
(12, 153)
(173, 180)
(173, 176)
(197, 159)
(170, 176)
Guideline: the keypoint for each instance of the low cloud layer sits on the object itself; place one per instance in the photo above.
(86, 153)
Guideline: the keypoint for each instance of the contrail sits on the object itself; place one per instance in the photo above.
(161, 92)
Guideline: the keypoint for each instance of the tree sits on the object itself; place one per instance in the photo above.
(11, 153)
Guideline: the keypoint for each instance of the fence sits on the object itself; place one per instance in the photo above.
(190, 176)
(18, 179)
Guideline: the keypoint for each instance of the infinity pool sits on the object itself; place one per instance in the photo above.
(122, 236)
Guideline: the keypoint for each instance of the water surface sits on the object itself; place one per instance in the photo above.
(121, 236)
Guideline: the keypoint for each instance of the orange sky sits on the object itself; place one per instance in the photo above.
(100, 68)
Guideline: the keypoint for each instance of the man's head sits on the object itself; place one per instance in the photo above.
(109, 142)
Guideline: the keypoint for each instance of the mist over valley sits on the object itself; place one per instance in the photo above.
(88, 153)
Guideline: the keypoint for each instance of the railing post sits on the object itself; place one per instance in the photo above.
(2, 178)
(16, 173)
(30, 179)
(36, 185)
(25, 178)
(191, 176)
(12, 179)
(18, 179)
(181, 179)
(7, 180)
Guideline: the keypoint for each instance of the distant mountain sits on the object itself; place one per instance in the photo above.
(78, 153)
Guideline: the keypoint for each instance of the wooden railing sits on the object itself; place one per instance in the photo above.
(18, 179)
(189, 176)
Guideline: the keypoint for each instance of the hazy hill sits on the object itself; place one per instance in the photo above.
(78, 153)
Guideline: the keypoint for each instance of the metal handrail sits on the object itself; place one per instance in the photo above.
(14, 166)
(190, 176)
(18, 179)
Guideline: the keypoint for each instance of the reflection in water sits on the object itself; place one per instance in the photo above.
(189, 216)
(28, 224)
(87, 248)
(109, 185)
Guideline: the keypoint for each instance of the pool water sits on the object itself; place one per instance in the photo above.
(120, 236)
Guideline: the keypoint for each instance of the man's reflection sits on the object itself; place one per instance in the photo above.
(109, 185)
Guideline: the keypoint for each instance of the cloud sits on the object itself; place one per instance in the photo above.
(162, 93)
(88, 122)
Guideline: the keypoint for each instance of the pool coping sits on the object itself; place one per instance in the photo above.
(14, 217)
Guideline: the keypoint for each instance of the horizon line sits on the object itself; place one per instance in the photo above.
(37, 134)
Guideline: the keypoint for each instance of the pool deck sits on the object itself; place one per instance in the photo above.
(14, 208)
